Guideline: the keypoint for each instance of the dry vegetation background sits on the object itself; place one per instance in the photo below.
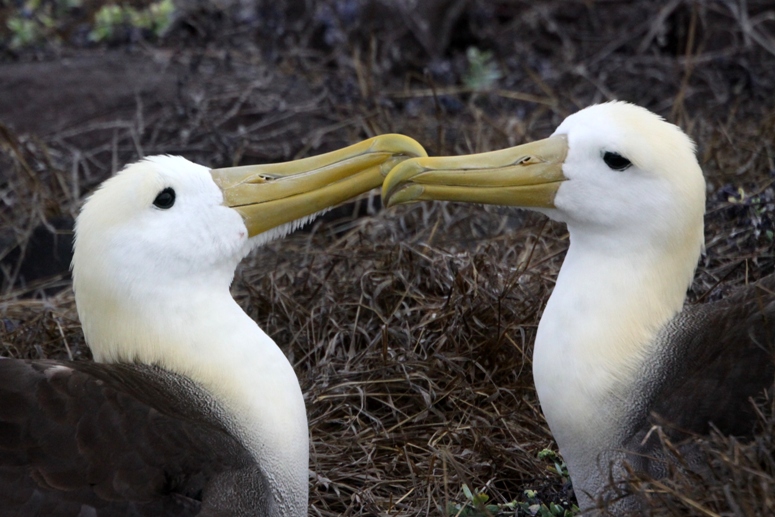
(411, 329)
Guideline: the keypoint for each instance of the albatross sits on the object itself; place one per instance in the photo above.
(190, 408)
(617, 354)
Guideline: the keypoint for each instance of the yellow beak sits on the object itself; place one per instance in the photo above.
(526, 176)
(270, 195)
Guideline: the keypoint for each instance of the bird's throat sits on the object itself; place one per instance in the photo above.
(599, 326)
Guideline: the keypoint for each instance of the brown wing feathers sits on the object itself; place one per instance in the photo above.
(729, 359)
(716, 359)
(74, 438)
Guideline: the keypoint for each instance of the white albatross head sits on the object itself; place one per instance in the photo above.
(159, 222)
(609, 171)
(630, 175)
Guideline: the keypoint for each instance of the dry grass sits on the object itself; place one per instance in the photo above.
(411, 329)
(418, 379)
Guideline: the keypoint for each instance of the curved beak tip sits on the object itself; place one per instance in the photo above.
(399, 180)
(527, 175)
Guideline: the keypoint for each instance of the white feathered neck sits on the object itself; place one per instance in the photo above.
(152, 286)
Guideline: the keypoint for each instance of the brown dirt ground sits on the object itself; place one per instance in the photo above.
(410, 329)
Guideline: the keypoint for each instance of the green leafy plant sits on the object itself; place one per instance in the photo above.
(558, 466)
(157, 18)
(36, 20)
(476, 506)
(534, 507)
(483, 72)
(106, 20)
(110, 18)
(23, 31)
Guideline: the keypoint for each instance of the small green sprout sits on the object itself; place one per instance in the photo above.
(24, 31)
(534, 507)
(156, 19)
(559, 465)
(42, 21)
(475, 507)
(105, 21)
(483, 71)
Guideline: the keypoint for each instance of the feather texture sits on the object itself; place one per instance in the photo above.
(84, 439)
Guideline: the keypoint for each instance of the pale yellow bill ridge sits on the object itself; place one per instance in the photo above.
(527, 175)
(270, 195)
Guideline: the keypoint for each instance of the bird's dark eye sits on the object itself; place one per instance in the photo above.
(165, 199)
(616, 161)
